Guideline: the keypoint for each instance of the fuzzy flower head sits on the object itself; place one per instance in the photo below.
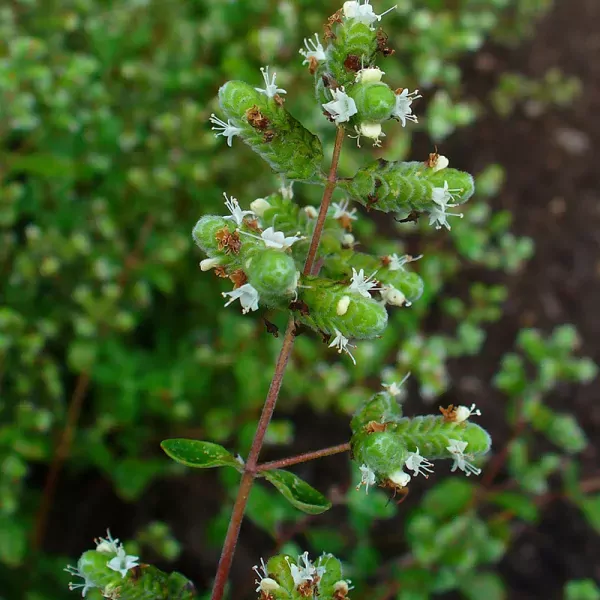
(363, 285)
(314, 50)
(342, 344)
(367, 478)
(457, 449)
(247, 295)
(122, 562)
(237, 214)
(418, 464)
(462, 413)
(342, 107)
(107, 545)
(363, 12)
(271, 88)
(85, 587)
(403, 109)
(227, 130)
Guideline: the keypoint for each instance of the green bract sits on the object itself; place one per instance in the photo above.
(375, 101)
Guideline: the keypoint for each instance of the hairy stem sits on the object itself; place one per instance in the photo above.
(300, 458)
(250, 470)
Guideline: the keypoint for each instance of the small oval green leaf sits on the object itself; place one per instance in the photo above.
(298, 492)
(199, 454)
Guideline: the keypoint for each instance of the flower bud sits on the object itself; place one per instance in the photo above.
(260, 206)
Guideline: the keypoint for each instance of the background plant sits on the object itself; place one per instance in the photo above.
(99, 295)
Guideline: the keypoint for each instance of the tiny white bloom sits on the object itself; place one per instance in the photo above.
(264, 582)
(363, 285)
(247, 295)
(341, 588)
(463, 413)
(396, 263)
(275, 239)
(209, 263)
(311, 212)
(271, 88)
(227, 130)
(86, 586)
(372, 131)
(441, 163)
(418, 464)
(367, 478)
(400, 478)
(341, 210)
(342, 343)
(441, 197)
(457, 448)
(369, 75)
(342, 107)
(287, 191)
(342, 305)
(395, 388)
(348, 240)
(390, 295)
(122, 562)
(403, 109)
(304, 570)
(260, 206)
(107, 545)
(363, 12)
(314, 49)
(237, 214)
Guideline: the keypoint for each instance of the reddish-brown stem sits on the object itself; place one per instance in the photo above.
(300, 458)
(250, 469)
(329, 187)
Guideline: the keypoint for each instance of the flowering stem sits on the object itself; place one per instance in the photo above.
(300, 458)
(250, 468)
(329, 187)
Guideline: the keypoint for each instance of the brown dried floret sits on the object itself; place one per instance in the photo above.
(449, 413)
(230, 242)
(352, 63)
(221, 272)
(239, 278)
(382, 40)
(256, 118)
(375, 427)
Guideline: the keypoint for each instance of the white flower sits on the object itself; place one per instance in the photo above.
(372, 131)
(270, 85)
(264, 582)
(342, 305)
(457, 448)
(341, 588)
(441, 197)
(367, 478)
(260, 206)
(86, 585)
(441, 163)
(395, 388)
(363, 285)
(396, 263)
(247, 295)
(418, 464)
(369, 75)
(390, 295)
(363, 12)
(227, 130)
(122, 562)
(403, 109)
(342, 107)
(304, 572)
(348, 240)
(287, 191)
(275, 239)
(237, 214)
(341, 210)
(313, 50)
(342, 343)
(209, 263)
(400, 478)
(108, 545)
(463, 413)
(311, 212)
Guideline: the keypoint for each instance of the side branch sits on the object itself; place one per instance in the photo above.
(300, 458)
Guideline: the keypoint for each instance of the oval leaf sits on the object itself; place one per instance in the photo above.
(200, 455)
(298, 492)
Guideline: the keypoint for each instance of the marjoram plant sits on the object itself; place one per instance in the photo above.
(303, 262)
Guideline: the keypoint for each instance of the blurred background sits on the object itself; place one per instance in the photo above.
(111, 339)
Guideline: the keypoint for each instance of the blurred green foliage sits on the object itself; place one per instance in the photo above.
(107, 161)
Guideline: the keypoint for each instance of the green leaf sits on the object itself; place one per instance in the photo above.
(298, 492)
(13, 542)
(582, 589)
(590, 507)
(519, 504)
(484, 585)
(200, 455)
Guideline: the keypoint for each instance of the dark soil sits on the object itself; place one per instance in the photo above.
(554, 192)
